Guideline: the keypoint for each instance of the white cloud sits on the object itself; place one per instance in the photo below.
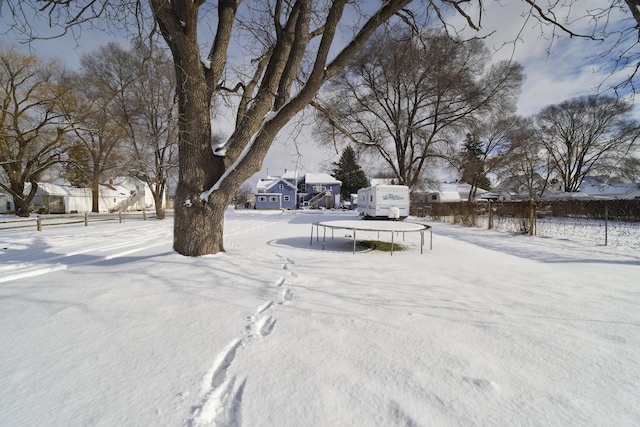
(558, 67)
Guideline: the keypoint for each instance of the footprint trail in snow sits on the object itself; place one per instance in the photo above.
(221, 392)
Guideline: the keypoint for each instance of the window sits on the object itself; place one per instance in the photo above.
(281, 186)
(434, 197)
(286, 198)
(273, 198)
(262, 199)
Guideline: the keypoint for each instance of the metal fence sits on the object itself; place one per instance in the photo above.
(598, 222)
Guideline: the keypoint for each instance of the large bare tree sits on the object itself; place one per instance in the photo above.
(31, 128)
(144, 106)
(524, 165)
(484, 150)
(409, 98)
(156, 146)
(97, 134)
(586, 135)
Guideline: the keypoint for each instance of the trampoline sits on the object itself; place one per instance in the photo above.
(393, 227)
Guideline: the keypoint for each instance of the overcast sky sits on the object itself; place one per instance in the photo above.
(569, 71)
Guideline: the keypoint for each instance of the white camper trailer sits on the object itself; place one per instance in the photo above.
(384, 201)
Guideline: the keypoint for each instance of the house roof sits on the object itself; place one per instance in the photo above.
(518, 183)
(615, 191)
(66, 190)
(320, 178)
(455, 191)
(292, 175)
(560, 195)
(449, 196)
(373, 182)
(269, 182)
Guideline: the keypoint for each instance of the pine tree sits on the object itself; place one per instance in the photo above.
(78, 166)
(350, 173)
(472, 167)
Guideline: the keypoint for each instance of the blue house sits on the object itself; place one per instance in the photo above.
(289, 191)
(278, 192)
(319, 190)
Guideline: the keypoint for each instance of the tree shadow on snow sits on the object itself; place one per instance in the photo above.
(335, 244)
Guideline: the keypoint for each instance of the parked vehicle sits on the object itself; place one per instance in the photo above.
(384, 202)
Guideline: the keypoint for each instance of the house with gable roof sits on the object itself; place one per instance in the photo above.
(448, 192)
(277, 192)
(319, 190)
(289, 191)
(599, 188)
(120, 194)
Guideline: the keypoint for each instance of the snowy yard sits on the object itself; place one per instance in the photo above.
(106, 326)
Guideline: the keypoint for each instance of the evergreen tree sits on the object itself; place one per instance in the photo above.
(472, 166)
(350, 173)
(78, 166)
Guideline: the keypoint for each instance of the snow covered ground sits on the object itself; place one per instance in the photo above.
(106, 326)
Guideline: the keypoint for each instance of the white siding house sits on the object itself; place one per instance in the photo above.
(53, 198)
(6, 203)
(121, 194)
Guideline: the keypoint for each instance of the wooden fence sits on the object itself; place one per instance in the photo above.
(39, 221)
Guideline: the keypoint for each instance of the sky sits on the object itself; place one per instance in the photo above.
(569, 71)
(106, 325)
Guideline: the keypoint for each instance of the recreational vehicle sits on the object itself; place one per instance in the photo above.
(384, 201)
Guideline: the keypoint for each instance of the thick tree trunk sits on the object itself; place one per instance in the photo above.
(198, 228)
(95, 193)
(22, 202)
(158, 199)
(22, 207)
(198, 225)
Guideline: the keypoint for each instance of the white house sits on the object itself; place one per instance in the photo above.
(6, 203)
(54, 198)
(611, 191)
(451, 192)
(142, 197)
(121, 194)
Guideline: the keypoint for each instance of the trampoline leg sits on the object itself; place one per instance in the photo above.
(392, 243)
(354, 241)
(324, 236)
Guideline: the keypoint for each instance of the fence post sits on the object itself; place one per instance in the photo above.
(86, 219)
(490, 215)
(39, 223)
(532, 216)
(120, 217)
(144, 215)
(606, 225)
